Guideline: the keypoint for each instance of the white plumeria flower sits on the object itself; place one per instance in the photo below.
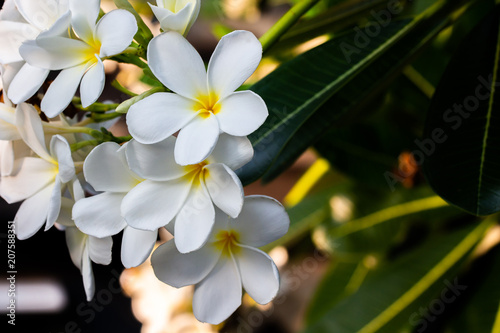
(20, 21)
(38, 181)
(176, 15)
(185, 193)
(83, 248)
(205, 104)
(106, 169)
(80, 59)
(228, 261)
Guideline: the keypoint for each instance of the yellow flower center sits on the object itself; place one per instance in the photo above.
(195, 172)
(207, 105)
(226, 241)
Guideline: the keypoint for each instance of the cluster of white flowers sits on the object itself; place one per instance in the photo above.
(177, 170)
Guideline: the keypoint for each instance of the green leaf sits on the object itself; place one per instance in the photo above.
(461, 144)
(391, 296)
(330, 87)
(299, 87)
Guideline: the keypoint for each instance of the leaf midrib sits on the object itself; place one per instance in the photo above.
(488, 123)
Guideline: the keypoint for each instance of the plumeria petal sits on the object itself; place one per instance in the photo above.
(225, 188)
(196, 140)
(6, 158)
(198, 214)
(75, 240)
(54, 205)
(177, 64)
(179, 21)
(30, 127)
(154, 161)
(61, 152)
(99, 215)
(84, 17)
(61, 27)
(113, 40)
(55, 53)
(235, 58)
(261, 221)
(179, 270)
(32, 213)
(30, 176)
(8, 128)
(158, 116)
(41, 14)
(12, 35)
(218, 295)
(92, 83)
(105, 169)
(259, 274)
(137, 246)
(233, 151)
(26, 83)
(62, 90)
(151, 205)
(87, 274)
(241, 113)
(100, 249)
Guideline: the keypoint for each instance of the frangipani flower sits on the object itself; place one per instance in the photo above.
(176, 15)
(186, 193)
(205, 104)
(80, 59)
(228, 261)
(20, 21)
(83, 248)
(106, 169)
(38, 181)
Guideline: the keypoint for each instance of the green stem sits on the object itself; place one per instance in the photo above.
(79, 145)
(121, 88)
(66, 129)
(96, 107)
(286, 22)
(99, 117)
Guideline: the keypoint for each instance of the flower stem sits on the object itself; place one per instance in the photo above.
(66, 129)
(121, 88)
(79, 145)
(284, 23)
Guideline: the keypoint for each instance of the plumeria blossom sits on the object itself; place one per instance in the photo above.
(39, 181)
(229, 261)
(84, 249)
(79, 59)
(205, 103)
(24, 20)
(176, 15)
(106, 169)
(185, 195)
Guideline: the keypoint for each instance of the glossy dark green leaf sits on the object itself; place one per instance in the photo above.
(461, 143)
(295, 90)
(344, 102)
